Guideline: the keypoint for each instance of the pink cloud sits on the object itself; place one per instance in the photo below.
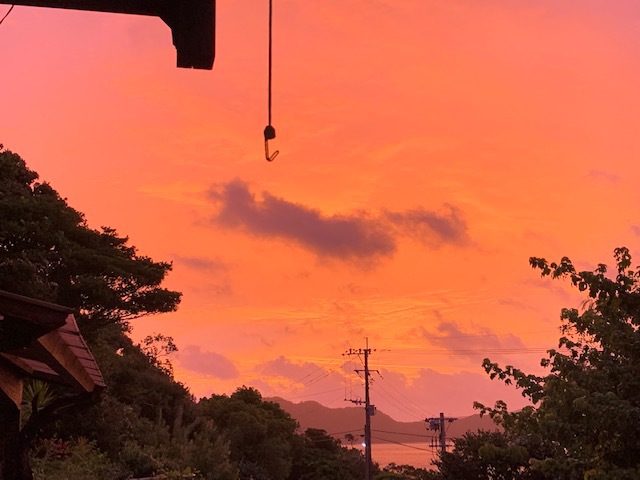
(208, 363)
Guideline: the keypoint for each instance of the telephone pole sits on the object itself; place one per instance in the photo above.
(368, 408)
(439, 425)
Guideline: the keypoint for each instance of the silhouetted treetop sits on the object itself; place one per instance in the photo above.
(48, 251)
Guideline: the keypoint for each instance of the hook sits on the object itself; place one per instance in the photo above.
(269, 134)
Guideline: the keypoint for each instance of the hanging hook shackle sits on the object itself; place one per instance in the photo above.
(269, 134)
(269, 131)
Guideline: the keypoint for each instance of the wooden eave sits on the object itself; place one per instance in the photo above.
(42, 314)
(59, 355)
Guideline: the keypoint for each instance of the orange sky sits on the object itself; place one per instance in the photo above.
(428, 148)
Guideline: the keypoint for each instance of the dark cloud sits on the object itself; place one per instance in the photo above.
(201, 263)
(342, 236)
(431, 228)
(356, 236)
(210, 364)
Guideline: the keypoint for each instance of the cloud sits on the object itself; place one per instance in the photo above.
(403, 398)
(455, 393)
(635, 229)
(342, 236)
(305, 373)
(201, 263)
(351, 288)
(213, 268)
(283, 367)
(282, 377)
(602, 175)
(210, 364)
(431, 228)
(474, 344)
(510, 302)
(356, 236)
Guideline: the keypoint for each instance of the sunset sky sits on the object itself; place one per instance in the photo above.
(428, 148)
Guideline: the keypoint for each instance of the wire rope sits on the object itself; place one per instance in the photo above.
(269, 131)
(6, 14)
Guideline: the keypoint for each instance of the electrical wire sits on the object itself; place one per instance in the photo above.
(398, 405)
(346, 431)
(415, 406)
(478, 351)
(6, 14)
(315, 394)
(406, 434)
(403, 444)
(318, 373)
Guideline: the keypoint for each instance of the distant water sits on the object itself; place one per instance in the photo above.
(418, 455)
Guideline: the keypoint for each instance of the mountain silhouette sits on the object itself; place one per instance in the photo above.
(339, 422)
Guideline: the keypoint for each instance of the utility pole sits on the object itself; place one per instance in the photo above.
(368, 408)
(439, 425)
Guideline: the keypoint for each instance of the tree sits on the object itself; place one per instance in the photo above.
(405, 472)
(259, 432)
(318, 456)
(47, 251)
(483, 455)
(585, 418)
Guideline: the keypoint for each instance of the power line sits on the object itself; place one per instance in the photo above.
(479, 351)
(415, 405)
(436, 337)
(7, 14)
(406, 434)
(297, 385)
(403, 444)
(342, 433)
(317, 393)
(399, 405)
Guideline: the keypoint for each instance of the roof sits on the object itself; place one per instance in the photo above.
(42, 340)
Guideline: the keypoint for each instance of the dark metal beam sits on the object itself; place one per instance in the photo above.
(192, 22)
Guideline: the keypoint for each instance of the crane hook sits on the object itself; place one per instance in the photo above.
(269, 134)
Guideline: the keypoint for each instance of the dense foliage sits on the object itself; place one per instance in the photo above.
(316, 455)
(47, 251)
(585, 418)
(145, 422)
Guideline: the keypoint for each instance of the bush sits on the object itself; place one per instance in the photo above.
(79, 460)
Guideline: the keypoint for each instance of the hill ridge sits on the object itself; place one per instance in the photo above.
(342, 421)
